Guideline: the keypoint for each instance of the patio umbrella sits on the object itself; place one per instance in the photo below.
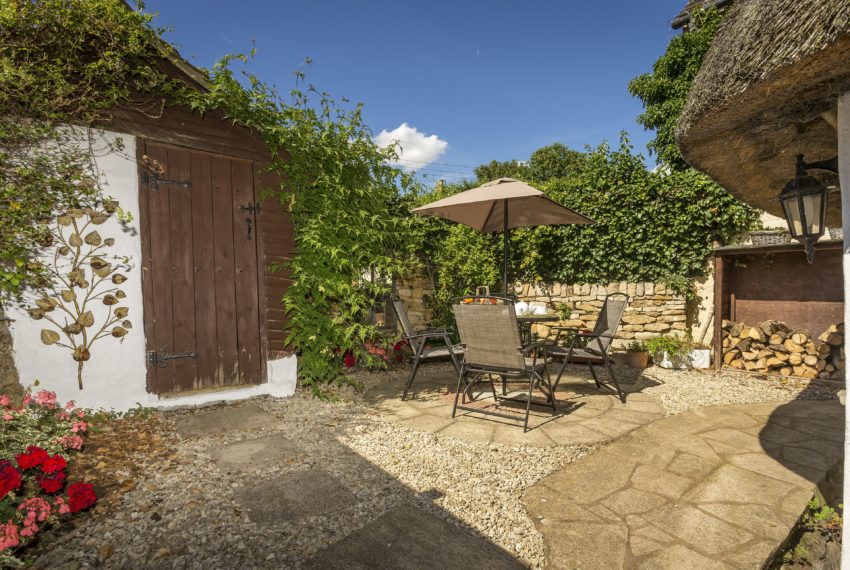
(501, 205)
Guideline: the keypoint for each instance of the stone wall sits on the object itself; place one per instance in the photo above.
(653, 308)
(415, 295)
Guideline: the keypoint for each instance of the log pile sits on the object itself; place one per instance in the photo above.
(772, 347)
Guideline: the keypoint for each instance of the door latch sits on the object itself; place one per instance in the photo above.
(252, 209)
(160, 358)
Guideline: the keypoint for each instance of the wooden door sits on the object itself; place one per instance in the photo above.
(198, 218)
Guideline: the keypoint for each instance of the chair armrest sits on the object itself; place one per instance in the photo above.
(432, 331)
(537, 344)
(429, 334)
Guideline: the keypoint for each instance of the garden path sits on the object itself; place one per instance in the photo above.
(585, 415)
(714, 488)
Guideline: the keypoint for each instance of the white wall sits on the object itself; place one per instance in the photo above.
(115, 376)
(843, 128)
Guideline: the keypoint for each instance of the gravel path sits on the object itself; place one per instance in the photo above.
(186, 514)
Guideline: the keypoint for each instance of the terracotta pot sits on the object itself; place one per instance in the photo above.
(637, 359)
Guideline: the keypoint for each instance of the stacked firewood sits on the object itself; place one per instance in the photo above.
(772, 347)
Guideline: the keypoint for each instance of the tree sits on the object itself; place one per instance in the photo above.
(507, 169)
(665, 90)
(553, 161)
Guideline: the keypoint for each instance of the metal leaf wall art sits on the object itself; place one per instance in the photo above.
(81, 275)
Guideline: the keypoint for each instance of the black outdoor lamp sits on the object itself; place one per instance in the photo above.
(804, 203)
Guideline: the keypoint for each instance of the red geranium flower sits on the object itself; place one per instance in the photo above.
(32, 457)
(51, 483)
(10, 478)
(349, 359)
(54, 463)
(81, 496)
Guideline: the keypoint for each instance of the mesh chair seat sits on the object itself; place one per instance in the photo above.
(599, 342)
(578, 354)
(441, 351)
(418, 342)
(489, 334)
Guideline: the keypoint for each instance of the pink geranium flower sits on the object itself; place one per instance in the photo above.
(35, 508)
(5, 401)
(27, 400)
(70, 405)
(46, 398)
(79, 427)
(71, 442)
(63, 507)
(9, 535)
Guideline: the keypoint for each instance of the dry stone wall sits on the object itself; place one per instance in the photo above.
(653, 308)
(415, 295)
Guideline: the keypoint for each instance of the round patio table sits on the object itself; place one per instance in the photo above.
(525, 322)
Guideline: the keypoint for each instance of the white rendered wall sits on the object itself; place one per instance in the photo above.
(844, 177)
(115, 376)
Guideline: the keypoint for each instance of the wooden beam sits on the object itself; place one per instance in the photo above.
(718, 312)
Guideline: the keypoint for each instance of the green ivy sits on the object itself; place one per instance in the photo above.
(650, 226)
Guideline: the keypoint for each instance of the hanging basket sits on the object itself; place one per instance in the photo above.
(770, 237)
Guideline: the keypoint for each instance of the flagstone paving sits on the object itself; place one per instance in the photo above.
(718, 487)
(585, 415)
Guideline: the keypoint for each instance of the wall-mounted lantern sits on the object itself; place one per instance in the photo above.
(804, 203)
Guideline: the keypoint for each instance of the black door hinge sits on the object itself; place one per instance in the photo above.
(154, 181)
(160, 358)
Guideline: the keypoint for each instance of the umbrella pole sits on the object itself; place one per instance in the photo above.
(505, 232)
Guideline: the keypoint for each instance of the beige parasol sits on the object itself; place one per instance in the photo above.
(501, 205)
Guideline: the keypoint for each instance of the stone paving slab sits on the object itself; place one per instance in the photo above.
(249, 454)
(712, 488)
(409, 537)
(223, 420)
(293, 497)
(585, 414)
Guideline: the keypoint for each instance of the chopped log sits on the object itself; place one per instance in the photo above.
(834, 339)
(749, 355)
(735, 331)
(756, 334)
(777, 338)
(795, 359)
(792, 346)
(765, 353)
(729, 356)
(783, 356)
(805, 371)
(810, 359)
(737, 363)
(800, 337)
(743, 345)
(774, 362)
(786, 371)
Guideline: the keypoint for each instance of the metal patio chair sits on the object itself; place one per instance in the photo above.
(489, 335)
(598, 342)
(419, 343)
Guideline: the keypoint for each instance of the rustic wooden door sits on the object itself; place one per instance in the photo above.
(198, 218)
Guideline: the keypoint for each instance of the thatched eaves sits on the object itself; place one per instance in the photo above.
(683, 19)
(766, 91)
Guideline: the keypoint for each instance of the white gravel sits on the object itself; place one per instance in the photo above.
(683, 390)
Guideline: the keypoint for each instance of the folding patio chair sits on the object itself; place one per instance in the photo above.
(489, 335)
(419, 343)
(598, 342)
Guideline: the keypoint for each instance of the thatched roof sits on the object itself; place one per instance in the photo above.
(683, 18)
(766, 91)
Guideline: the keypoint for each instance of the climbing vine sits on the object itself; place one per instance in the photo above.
(73, 62)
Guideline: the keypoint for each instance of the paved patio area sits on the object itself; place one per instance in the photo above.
(585, 415)
(717, 487)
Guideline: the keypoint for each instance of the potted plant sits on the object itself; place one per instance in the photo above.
(678, 353)
(637, 355)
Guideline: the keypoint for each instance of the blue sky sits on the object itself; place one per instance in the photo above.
(473, 81)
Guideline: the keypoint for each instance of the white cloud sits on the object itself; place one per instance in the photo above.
(416, 149)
